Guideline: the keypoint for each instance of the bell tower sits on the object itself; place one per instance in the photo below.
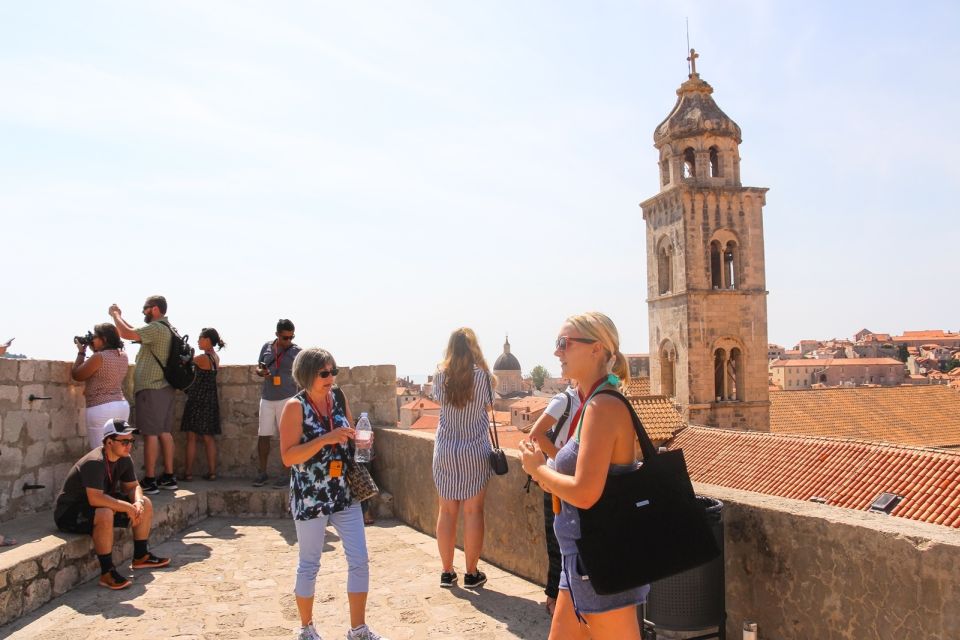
(706, 283)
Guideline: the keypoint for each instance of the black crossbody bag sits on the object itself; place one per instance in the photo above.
(647, 524)
(498, 459)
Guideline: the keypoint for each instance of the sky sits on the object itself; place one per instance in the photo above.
(382, 173)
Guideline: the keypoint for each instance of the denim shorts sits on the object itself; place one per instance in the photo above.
(586, 600)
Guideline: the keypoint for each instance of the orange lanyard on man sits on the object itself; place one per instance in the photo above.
(277, 359)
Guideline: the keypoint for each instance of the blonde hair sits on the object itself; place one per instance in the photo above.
(463, 352)
(598, 326)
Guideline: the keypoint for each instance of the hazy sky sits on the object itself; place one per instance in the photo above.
(382, 173)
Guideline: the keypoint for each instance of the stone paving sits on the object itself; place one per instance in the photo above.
(233, 579)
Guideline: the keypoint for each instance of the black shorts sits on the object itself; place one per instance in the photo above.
(79, 518)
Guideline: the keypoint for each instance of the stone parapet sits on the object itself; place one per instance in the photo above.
(40, 440)
(799, 569)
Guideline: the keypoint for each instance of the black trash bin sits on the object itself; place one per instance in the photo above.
(694, 599)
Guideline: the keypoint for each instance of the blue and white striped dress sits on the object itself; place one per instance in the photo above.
(461, 453)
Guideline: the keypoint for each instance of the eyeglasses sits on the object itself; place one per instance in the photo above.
(148, 307)
(125, 442)
(285, 338)
(326, 373)
(563, 340)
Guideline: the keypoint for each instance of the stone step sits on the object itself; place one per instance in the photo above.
(46, 563)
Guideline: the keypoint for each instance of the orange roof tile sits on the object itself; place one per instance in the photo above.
(637, 387)
(421, 403)
(846, 473)
(927, 416)
(530, 403)
(428, 423)
(659, 416)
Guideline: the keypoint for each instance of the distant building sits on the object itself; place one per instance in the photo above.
(405, 396)
(929, 336)
(508, 372)
(638, 364)
(413, 411)
(775, 351)
(525, 411)
(792, 375)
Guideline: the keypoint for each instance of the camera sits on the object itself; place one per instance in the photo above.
(86, 340)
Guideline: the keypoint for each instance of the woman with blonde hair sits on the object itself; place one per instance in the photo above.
(463, 386)
(603, 443)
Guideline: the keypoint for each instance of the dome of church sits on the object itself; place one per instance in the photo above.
(506, 362)
(694, 114)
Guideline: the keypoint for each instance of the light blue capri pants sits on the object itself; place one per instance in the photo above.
(310, 533)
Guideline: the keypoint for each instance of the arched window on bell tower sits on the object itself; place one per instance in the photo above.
(665, 267)
(729, 370)
(689, 164)
(668, 367)
(731, 275)
(716, 277)
(714, 162)
(725, 267)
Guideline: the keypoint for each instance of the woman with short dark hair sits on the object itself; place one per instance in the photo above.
(104, 373)
(315, 429)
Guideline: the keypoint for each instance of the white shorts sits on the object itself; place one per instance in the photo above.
(99, 414)
(270, 411)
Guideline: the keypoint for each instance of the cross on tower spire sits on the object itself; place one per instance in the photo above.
(693, 61)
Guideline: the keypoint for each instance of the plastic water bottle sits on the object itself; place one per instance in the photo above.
(364, 439)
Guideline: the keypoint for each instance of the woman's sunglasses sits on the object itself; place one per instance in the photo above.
(563, 340)
(326, 373)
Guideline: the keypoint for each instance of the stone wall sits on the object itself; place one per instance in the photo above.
(800, 570)
(514, 537)
(41, 439)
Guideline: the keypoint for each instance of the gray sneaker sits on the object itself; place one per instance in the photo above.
(260, 480)
(307, 632)
(282, 482)
(363, 632)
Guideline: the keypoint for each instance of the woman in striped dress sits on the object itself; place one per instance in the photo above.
(464, 388)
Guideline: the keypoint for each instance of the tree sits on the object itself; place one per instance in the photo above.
(539, 374)
(902, 353)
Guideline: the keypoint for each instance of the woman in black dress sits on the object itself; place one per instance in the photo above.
(201, 415)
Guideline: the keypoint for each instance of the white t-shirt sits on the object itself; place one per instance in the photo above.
(555, 410)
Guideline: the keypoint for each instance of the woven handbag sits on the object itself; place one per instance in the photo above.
(647, 524)
(361, 483)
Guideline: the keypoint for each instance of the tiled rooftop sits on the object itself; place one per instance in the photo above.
(637, 387)
(659, 416)
(834, 362)
(927, 416)
(845, 473)
(421, 403)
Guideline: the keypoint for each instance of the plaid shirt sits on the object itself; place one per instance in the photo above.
(154, 341)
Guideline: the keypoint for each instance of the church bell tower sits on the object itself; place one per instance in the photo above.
(706, 283)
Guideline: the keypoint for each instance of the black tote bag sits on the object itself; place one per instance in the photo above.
(647, 524)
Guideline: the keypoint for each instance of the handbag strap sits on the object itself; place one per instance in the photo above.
(494, 439)
(646, 445)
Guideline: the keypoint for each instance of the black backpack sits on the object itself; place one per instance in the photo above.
(179, 370)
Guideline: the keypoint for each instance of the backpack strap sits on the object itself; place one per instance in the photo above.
(172, 334)
(560, 422)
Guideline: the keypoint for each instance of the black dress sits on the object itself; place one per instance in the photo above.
(201, 415)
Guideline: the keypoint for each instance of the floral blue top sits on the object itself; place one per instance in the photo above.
(313, 491)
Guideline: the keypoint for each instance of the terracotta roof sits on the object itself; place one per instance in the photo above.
(428, 423)
(659, 416)
(637, 387)
(530, 403)
(421, 403)
(845, 473)
(927, 416)
(834, 362)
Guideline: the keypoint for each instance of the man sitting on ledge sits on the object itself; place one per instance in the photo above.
(101, 492)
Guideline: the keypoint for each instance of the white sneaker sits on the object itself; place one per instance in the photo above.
(363, 632)
(307, 632)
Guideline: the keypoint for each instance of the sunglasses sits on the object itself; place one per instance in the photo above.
(148, 307)
(326, 373)
(563, 340)
(286, 337)
(126, 442)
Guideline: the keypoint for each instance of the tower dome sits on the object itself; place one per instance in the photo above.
(695, 113)
(507, 361)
